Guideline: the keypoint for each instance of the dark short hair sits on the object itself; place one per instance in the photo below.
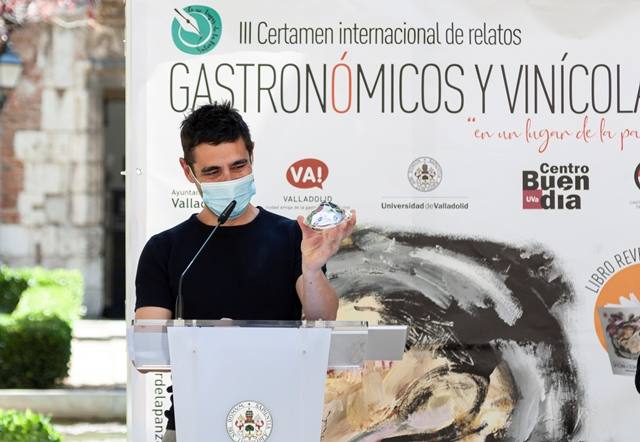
(213, 124)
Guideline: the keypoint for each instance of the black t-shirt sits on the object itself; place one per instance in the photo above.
(244, 272)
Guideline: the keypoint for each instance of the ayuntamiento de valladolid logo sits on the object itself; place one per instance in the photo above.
(196, 29)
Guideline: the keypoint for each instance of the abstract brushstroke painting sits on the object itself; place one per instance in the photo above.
(487, 356)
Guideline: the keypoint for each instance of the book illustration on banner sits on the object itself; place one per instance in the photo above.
(621, 324)
(196, 29)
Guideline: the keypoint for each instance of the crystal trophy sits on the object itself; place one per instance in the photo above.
(326, 216)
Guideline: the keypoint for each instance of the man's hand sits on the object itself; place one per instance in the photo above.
(318, 246)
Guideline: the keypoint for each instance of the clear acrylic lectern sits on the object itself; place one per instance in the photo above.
(255, 380)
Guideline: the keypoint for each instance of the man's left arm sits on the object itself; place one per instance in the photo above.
(318, 297)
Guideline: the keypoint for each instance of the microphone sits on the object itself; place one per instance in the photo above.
(221, 220)
(226, 213)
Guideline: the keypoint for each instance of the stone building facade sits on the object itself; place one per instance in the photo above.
(54, 186)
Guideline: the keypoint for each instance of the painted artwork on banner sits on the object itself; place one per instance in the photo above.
(486, 357)
(492, 152)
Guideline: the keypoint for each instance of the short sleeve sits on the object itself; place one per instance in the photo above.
(152, 277)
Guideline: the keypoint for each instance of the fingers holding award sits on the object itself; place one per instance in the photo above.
(322, 232)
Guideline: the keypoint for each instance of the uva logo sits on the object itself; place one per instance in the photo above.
(554, 187)
(249, 421)
(307, 173)
(637, 176)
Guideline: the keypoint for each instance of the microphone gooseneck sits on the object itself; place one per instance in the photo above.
(224, 216)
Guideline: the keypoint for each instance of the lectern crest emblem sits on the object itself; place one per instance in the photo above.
(249, 421)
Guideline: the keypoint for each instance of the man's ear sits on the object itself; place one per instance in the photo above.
(186, 169)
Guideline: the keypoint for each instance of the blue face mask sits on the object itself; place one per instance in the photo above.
(218, 195)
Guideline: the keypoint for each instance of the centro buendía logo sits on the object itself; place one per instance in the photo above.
(555, 186)
(196, 29)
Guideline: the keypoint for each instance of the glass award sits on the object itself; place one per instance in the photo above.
(326, 216)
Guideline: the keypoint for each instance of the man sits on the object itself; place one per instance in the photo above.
(258, 265)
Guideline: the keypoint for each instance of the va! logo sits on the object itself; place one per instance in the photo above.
(554, 187)
(307, 173)
(196, 29)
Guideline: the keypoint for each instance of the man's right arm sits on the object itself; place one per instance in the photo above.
(153, 295)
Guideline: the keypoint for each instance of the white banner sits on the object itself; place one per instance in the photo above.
(491, 150)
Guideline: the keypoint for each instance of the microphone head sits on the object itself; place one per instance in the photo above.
(226, 213)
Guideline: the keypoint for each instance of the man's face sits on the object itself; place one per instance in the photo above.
(219, 162)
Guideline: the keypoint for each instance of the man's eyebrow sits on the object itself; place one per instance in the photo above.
(209, 169)
(216, 168)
